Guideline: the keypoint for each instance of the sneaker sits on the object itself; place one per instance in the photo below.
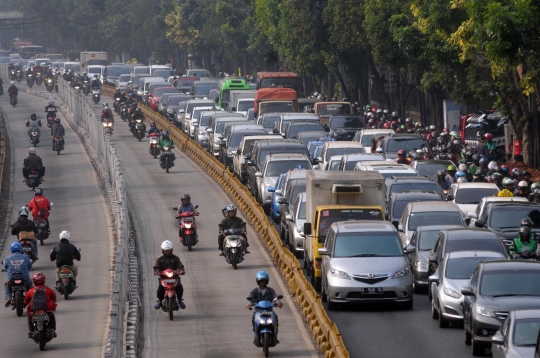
(182, 305)
(246, 252)
(221, 253)
(8, 302)
(157, 305)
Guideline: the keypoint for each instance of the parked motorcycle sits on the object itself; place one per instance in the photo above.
(13, 99)
(41, 333)
(166, 158)
(41, 225)
(96, 95)
(265, 324)
(34, 179)
(49, 85)
(107, 126)
(154, 140)
(139, 132)
(232, 246)
(34, 138)
(169, 279)
(188, 228)
(18, 291)
(58, 144)
(30, 80)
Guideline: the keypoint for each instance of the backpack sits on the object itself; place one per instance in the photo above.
(39, 299)
(41, 212)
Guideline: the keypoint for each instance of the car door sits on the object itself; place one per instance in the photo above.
(468, 301)
(501, 350)
(432, 267)
(326, 259)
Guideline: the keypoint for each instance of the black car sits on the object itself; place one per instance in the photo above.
(496, 288)
(286, 207)
(345, 127)
(306, 137)
(399, 200)
(394, 184)
(184, 84)
(230, 146)
(430, 167)
(504, 219)
(393, 142)
(295, 128)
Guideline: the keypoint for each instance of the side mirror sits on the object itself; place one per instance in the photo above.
(379, 150)
(433, 259)
(175, 209)
(209, 130)
(479, 223)
(250, 163)
(410, 249)
(282, 200)
(497, 338)
(258, 175)
(467, 291)
(472, 215)
(289, 217)
(315, 161)
(271, 189)
(307, 229)
(323, 251)
(196, 206)
(449, 197)
(279, 297)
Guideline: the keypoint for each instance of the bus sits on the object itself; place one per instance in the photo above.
(30, 51)
(279, 79)
(224, 89)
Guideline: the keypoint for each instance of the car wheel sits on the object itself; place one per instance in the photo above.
(477, 349)
(408, 305)
(305, 263)
(468, 337)
(443, 322)
(434, 313)
(324, 297)
(332, 306)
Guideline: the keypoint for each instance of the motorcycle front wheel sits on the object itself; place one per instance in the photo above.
(66, 293)
(42, 339)
(266, 343)
(19, 303)
(234, 260)
(171, 303)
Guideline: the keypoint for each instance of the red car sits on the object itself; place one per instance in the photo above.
(155, 97)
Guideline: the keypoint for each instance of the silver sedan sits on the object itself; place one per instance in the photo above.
(518, 335)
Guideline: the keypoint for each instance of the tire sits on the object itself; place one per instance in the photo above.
(155, 156)
(58, 152)
(139, 139)
(266, 344)
(42, 340)
(443, 322)
(434, 313)
(188, 238)
(317, 285)
(66, 293)
(477, 349)
(19, 303)
(235, 260)
(468, 338)
(41, 241)
(170, 303)
(167, 169)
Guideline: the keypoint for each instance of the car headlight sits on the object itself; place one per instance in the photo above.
(230, 154)
(300, 229)
(452, 293)
(423, 265)
(484, 311)
(169, 110)
(202, 132)
(339, 274)
(401, 273)
(217, 140)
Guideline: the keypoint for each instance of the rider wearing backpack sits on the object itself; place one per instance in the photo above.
(40, 297)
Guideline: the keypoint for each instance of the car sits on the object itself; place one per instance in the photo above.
(467, 195)
(112, 73)
(395, 183)
(149, 91)
(213, 94)
(217, 122)
(308, 136)
(348, 161)
(422, 242)
(400, 199)
(188, 110)
(296, 220)
(333, 163)
(200, 89)
(504, 219)
(285, 118)
(184, 83)
(233, 141)
(173, 104)
(518, 335)
(336, 148)
(446, 283)
(156, 96)
(421, 213)
(430, 167)
(464, 239)
(195, 117)
(164, 73)
(389, 145)
(201, 124)
(362, 261)
(297, 127)
(276, 193)
(163, 102)
(226, 130)
(481, 212)
(246, 145)
(267, 120)
(387, 169)
(198, 73)
(495, 289)
(344, 127)
(295, 182)
(122, 81)
(272, 167)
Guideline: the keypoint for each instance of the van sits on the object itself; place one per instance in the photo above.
(95, 70)
(200, 89)
(153, 68)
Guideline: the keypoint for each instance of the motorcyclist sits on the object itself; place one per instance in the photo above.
(16, 262)
(175, 81)
(96, 84)
(12, 89)
(262, 293)
(33, 161)
(130, 100)
(106, 113)
(443, 182)
(491, 147)
(64, 253)
(40, 206)
(479, 176)
(50, 303)
(186, 205)
(50, 107)
(534, 197)
(68, 76)
(509, 185)
(401, 157)
(49, 73)
(34, 125)
(163, 142)
(117, 93)
(164, 262)
(451, 173)
(522, 244)
(58, 129)
(23, 224)
(153, 129)
(84, 77)
(231, 221)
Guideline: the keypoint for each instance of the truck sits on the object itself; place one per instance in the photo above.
(93, 58)
(275, 99)
(236, 95)
(337, 196)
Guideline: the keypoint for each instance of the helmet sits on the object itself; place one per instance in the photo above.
(262, 276)
(379, 111)
(508, 182)
(495, 176)
(492, 165)
(186, 197)
(166, 245)
(84, 73)
(370, 115)
(505, 168)
(440, 173)
(488, 136)
(483, 161)
(463, 167)
(386, 112)
(105, 105)
(138, 110)
(386, 125)
(475, 158)
(38, 278)
(51, 103)
(480, 172)
(407, 120)
(516, 172)
(443, 156)
(535, 185)
(165, 135)
(417, 124)
(401, 153)
(451, 167)
(65, 235)
(96, 76)
(231, 207)
(118, 88)
(130, 95)
(525, 173)
(394, 114)
(462, 180)
(432, 127)
(524, 230)
(523, 184)
(460, 174)
(12, 82)
(152, 124)
(33, 116)
(224, 210)
(23, 211)
(453, 134)
(527, 222)
(38, 191)
(15, 246)
(57, 120)
(456, 142)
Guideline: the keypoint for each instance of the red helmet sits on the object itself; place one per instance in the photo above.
(39, 278)
(386, 125)
(401, 153)
(445, 130)
(373, 109)
(488, 136)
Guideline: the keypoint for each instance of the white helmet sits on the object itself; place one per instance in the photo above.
(463, 167)
(492, 165)
(166, 245)
(32, 150)
(523, 184)
(462, 180)
(23, 211)
(12, 82)
(65, 235)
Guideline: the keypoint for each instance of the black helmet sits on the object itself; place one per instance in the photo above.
(165, 135)
(480, 172)
(527, 222)
(186, 197)
(57, 120)
(152, 124)
(33, 116)
(138, 110)
(524, 231)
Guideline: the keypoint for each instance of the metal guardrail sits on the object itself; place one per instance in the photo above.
(324, 330)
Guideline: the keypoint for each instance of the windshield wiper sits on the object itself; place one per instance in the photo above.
(515, 294)
(506, 227)
(365, 255)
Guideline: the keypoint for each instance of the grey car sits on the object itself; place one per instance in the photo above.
(362, 261)
(296, 221)
(518, 335)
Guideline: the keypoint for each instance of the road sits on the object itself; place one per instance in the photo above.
(215, 322)
(79, 207)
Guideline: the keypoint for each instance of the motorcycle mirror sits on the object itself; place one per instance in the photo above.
(175, 208)
(196, 206)
(79, 249)
(248, 298)
(279, 297)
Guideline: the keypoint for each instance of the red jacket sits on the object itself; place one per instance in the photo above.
(51, 299)
(37, 203)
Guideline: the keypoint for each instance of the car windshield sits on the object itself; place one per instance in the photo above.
(473, 195)
(294, 130)
(213, 94)
(406, 144)
(416, 186)
(330, 216)
(526, 332)
(399, 206)
(117, 71)
(197, 111)
(333, 108)
(334, 165)
(472, 245)
(347, 122)
(140, 70)
(181, 106)
(429, 218)
(309, 137)
(430, 169)
(330, 152)
(366, 140)
(297, 189)
(277, 167)
(427, 240)
(173, 101)
(164, 73)
(204, 88)
(192, 105)
(367, 244)
(245, 105)
(463, 267)
(160, 92)
(514, 282)
(123, 78)
(264, 152)
(302, 211)
(205, 121)
(269, 120)
(509, 216)
(236, 138)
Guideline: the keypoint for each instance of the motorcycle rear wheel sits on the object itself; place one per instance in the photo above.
(19, 303)
(266, 344)
(235, 260)
(66, 293)
(42, 339)
(188, 238)
(170, 305)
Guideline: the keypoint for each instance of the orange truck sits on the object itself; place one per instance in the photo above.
(278, 99)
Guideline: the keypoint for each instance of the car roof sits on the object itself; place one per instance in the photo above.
(364, 226)
(422, 206)
(479, 234)
(303, 123)
(524, 314)
(201, 101)
(437, 227)
(296, 174)
(473, 253)
(386, 165)
(433, 161)
(361, 156)
(501, 199)
(403, 135)
(229, 119)
(514, 204)
(410, 179)
(477, 185)
(281, 143)
(299, 115)
(343, 144)
(510, 265)
(416, 194)
(285, 156)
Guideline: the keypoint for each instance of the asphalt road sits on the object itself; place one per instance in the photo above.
(79, 207)
(215, 322)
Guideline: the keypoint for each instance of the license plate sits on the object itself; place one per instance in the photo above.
(18, 288)
(38, 224)
(27, 248)
(40, 318)
(170, 280)
(187, 219)
(17, 282)
(65, 275)
(372, 290)
(266, 313)
(32, 176)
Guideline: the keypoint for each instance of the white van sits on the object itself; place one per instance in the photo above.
(154, 68)
(147, 82)
(95, 70)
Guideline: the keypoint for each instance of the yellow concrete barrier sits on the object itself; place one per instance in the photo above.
(324, 330)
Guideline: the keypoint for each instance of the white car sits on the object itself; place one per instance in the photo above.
(480, 211)
(467, 195)
(365, 136)
(387, 169)
(338, 148)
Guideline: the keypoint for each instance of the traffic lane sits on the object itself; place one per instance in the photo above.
(215, 321)
(79, 207)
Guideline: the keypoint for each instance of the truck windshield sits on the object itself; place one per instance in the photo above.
(330, 216)
(244, 105)
(281, 107)
(333, 108)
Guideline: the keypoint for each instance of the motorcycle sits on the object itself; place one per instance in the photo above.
(26, 240)
(154, 140)
(18, 291)
(232, 246)
(34, 138)
(116, 106)
(188, 228)
(166, 158)
(96, 95)
(50, 85)
(139, 129)
(13, 99)
(124, 112)
(169, 279)
(108, 126)
(13, 75)
(86, 88)
(67, 283)
(39, 79)
(41, 225)
(77, 87)
(34, 179)
(525, 255)
(30, 80)
(41, 333)
(265, 324)
(51, 117)
(19, 76)
(58, 146)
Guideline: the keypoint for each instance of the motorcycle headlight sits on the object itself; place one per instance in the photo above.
(339, 274)
(484, 311)
(401, 273)
(169, 274)
(270, 320)
(452, 293)
(262, 320)
(166, 148)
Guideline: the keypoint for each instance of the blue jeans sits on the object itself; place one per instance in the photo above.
(7, 289)
(35, 243)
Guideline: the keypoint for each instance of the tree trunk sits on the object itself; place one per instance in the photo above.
(378, 81)
(343, 85)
